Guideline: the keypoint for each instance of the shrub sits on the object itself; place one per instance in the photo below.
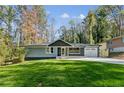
(16, 55)
(9, 52)
(3, 53)
(2, 60)
(19, 55)
(104, 53)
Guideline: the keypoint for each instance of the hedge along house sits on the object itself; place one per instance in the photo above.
(61, 48)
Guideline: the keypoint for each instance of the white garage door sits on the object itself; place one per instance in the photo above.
(90, 51)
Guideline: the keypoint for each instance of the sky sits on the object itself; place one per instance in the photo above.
(63, 13)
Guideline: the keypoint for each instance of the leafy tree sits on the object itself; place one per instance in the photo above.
(73, 30)
(3, 48)
(33, 25)
(81, 33)
(7, 19)
(41, 22)
(116, 17)
(74, 34)
(64, 33)
(7, 15)
(91, 23)
(102, 29)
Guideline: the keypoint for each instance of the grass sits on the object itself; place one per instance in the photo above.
(61, 73)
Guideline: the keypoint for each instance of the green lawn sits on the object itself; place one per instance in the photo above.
(62, 73)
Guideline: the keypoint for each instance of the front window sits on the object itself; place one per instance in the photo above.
(123, 39)
(74, 50)
(111, 49)
(49, 50)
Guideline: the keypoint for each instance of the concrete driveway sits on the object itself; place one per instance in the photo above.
(105, 60)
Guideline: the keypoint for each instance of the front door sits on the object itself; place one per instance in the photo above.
(59, 51)
(63, 51)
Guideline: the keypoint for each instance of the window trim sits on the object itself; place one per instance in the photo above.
(48, 50)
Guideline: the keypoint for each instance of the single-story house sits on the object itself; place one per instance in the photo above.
(60, 48)
(116, 44)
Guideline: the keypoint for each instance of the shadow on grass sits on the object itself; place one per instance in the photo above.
(60, 73)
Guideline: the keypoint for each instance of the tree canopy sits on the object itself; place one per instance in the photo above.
(24, 25)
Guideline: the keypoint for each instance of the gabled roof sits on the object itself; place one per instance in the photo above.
(59, 42)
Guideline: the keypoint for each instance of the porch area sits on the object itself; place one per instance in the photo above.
(69, 51)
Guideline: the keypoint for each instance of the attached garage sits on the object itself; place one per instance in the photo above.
(91, 51)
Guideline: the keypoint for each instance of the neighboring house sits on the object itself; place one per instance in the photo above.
(61, 48)
(116, 44)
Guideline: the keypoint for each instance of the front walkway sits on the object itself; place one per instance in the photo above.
(105, 60)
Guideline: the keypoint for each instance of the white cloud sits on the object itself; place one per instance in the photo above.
(81, 16)
(65, 15)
